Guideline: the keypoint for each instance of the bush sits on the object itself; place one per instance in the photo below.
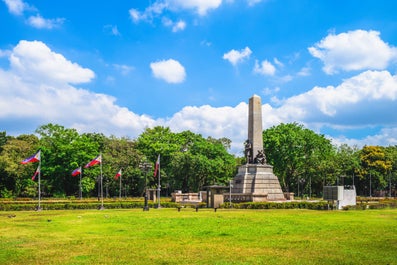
(322, 205)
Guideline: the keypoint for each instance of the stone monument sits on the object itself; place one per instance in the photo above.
(255, 181)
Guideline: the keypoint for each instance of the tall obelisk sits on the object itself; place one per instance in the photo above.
(255, 131)
(255, 181)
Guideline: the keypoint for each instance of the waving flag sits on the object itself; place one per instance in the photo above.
(156, 168)
(33, 158)
(36, 172)
(118, 174)
(76, 171)
(97, 160)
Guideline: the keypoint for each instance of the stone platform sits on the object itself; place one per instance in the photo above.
(259, 181)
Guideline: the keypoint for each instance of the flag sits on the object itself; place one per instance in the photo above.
(36, 172)
(97, 160)
(118, 175)
(33, 158)
(76, 171)
(156, 168)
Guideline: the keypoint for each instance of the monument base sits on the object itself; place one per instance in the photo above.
(259, 181)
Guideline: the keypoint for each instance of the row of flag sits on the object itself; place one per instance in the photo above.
(97, 160)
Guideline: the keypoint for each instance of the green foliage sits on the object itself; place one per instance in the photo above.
(322, 205)
(298, 155)
(191, 160)
(63, 150)
(13, 173)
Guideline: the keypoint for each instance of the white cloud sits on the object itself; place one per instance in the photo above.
(169, 70)
(176, 26)
(265, 68)
(305, 71)
(354, 50)
(235, 57)
(33, 59)
(154, 10)
(365, 100)
(36, 91)
(200, 6)
(42, 23)
(16, 7)
(218, 122)
(135, 15)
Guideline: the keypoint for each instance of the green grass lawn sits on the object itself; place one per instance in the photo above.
(166, 236)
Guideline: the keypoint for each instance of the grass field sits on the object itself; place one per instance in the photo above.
(166, 236)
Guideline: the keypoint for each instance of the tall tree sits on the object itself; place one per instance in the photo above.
(62, 151)
(375, 166)
(16, 178)
(188, 161)
(298, 156)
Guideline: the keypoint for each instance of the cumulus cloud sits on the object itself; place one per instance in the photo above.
(36, 90)
(169, 70)
(264, 68)
(235, 57)
(361, 100)
(34, 59)
(353, 50)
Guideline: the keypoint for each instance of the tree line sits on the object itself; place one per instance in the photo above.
(303, 161)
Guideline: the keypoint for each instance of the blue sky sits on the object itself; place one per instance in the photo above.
(118, 67)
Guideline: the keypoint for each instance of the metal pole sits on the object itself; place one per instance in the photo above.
(39, 195)
(389, 184)
(146, 208)
(370, 185)
(230, 193)
(101, 184)
(144, 166)
(80, 189)
(159, 187)
(120, 187)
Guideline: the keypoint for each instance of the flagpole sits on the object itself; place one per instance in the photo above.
(120, 186)
(80, 189)
(159, 186)
(39, 207)
(101, 183)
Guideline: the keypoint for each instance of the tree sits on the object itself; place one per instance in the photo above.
(375, 166)
(188, 161)
(298, 156)
(122, 154)
(16, 178)
(63, 150)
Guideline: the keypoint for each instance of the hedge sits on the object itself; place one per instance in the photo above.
(78, 205)
(321, 205)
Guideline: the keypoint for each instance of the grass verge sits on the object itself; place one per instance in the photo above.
(166, 236)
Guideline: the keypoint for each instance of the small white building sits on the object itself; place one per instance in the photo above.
(342, 195)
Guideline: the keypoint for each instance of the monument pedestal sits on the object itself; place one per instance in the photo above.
(259, 181)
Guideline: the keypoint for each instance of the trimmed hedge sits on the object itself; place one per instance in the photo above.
(380, 204)
(321, 205)
(77, 205)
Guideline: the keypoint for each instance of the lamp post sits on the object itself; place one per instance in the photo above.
(144, 167)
